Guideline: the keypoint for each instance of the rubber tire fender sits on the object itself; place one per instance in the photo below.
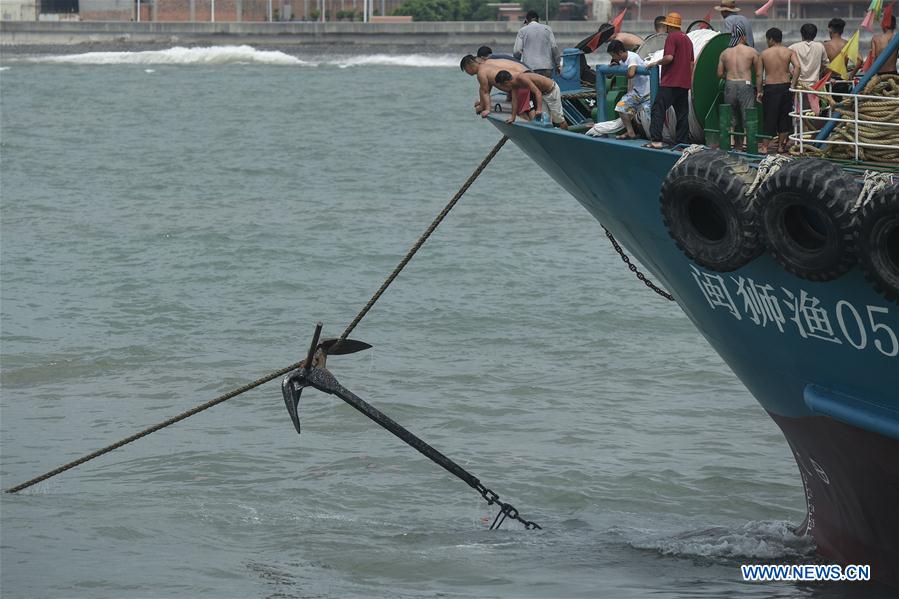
(877, 237)
(708, 213)
(808, 218)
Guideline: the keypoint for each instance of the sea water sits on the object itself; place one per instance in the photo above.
(174, 223)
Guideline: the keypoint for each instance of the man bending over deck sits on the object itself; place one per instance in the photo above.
(636, 100)
(776, 99)
(486, 71)
(542, 88)
(736, 66)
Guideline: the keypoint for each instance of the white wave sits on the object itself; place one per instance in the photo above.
(4, 68)
(149, 70)
(768, 540)
(215, 55)
(391, 60)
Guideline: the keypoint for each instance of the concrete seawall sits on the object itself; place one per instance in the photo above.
(381, 37)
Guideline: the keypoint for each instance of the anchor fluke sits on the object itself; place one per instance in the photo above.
(293, 384)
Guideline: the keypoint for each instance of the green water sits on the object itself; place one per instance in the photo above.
(173, 230)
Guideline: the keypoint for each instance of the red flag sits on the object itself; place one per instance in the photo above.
(868, 62)
(707, 18)
(616, 22)
(822, 81)
(887, 15)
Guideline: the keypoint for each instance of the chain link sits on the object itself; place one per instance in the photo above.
(506, 510)
(633, 268)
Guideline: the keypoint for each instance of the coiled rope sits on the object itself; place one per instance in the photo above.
(885, 111)
(281, 371)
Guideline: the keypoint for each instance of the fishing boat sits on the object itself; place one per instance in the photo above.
(788, 266)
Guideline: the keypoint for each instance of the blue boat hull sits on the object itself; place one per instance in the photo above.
(820, 357)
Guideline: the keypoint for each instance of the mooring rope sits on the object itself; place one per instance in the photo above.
(281, 371)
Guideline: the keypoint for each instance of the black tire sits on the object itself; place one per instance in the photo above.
(877, 237)
(707, 212)
(808, 219)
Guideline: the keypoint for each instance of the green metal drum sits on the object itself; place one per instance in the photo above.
(706, 84)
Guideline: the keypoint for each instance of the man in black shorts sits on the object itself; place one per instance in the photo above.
(776, 99)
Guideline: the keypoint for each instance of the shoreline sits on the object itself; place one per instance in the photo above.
(412, 38)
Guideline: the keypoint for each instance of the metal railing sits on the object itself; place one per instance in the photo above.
(799, 135)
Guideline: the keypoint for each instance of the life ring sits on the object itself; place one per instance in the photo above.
(877, 237)
(808, 219)
(708, 213)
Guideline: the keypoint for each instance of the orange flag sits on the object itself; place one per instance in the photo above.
(616, 22)
(822, 81)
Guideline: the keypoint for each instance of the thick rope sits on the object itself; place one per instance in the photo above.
(156, 427)
(286, 369)
(886, 111)
(421, 240)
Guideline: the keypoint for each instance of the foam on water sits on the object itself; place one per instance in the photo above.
(759, 539)
(218, 55)
(403, 60)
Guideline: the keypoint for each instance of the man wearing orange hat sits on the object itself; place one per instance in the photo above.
(674, 86)
(732, 17)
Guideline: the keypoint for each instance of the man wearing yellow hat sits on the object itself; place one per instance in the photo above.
(732, 17)
(674, 85)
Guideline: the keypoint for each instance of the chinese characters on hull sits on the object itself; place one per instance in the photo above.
(786, 309)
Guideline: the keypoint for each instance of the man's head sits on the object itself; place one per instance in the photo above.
(889, 25)
(469, 64)
(774, 36)
(502, 79)
(727, 8)
(808, 32)
(531, 16)
(659, 25)
(836, 26)
(485, 52)
(617, 50)
(672, 22)
(737, 36)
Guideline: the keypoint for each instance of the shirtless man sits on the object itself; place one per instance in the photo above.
(486, 71)
(879, 44)
(542, 88)
(736, 66)
(777, 101)
(836, 42)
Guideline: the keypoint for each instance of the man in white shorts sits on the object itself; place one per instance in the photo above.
(635, 103)
(543, 89)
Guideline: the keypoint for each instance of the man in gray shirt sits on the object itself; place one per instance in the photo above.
(731, 16)
(536, 46)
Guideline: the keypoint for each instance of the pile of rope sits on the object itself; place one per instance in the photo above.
(881, 111)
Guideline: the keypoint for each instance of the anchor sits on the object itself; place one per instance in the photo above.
(313, 372)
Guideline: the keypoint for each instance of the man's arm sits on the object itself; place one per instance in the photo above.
(794, 62)
(667, 59)
(519, 43)
(485, 94)
(721, 66)
(512, 92)
(757, 67)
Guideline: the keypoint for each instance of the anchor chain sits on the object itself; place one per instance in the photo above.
(633, 268)
(323, 380)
